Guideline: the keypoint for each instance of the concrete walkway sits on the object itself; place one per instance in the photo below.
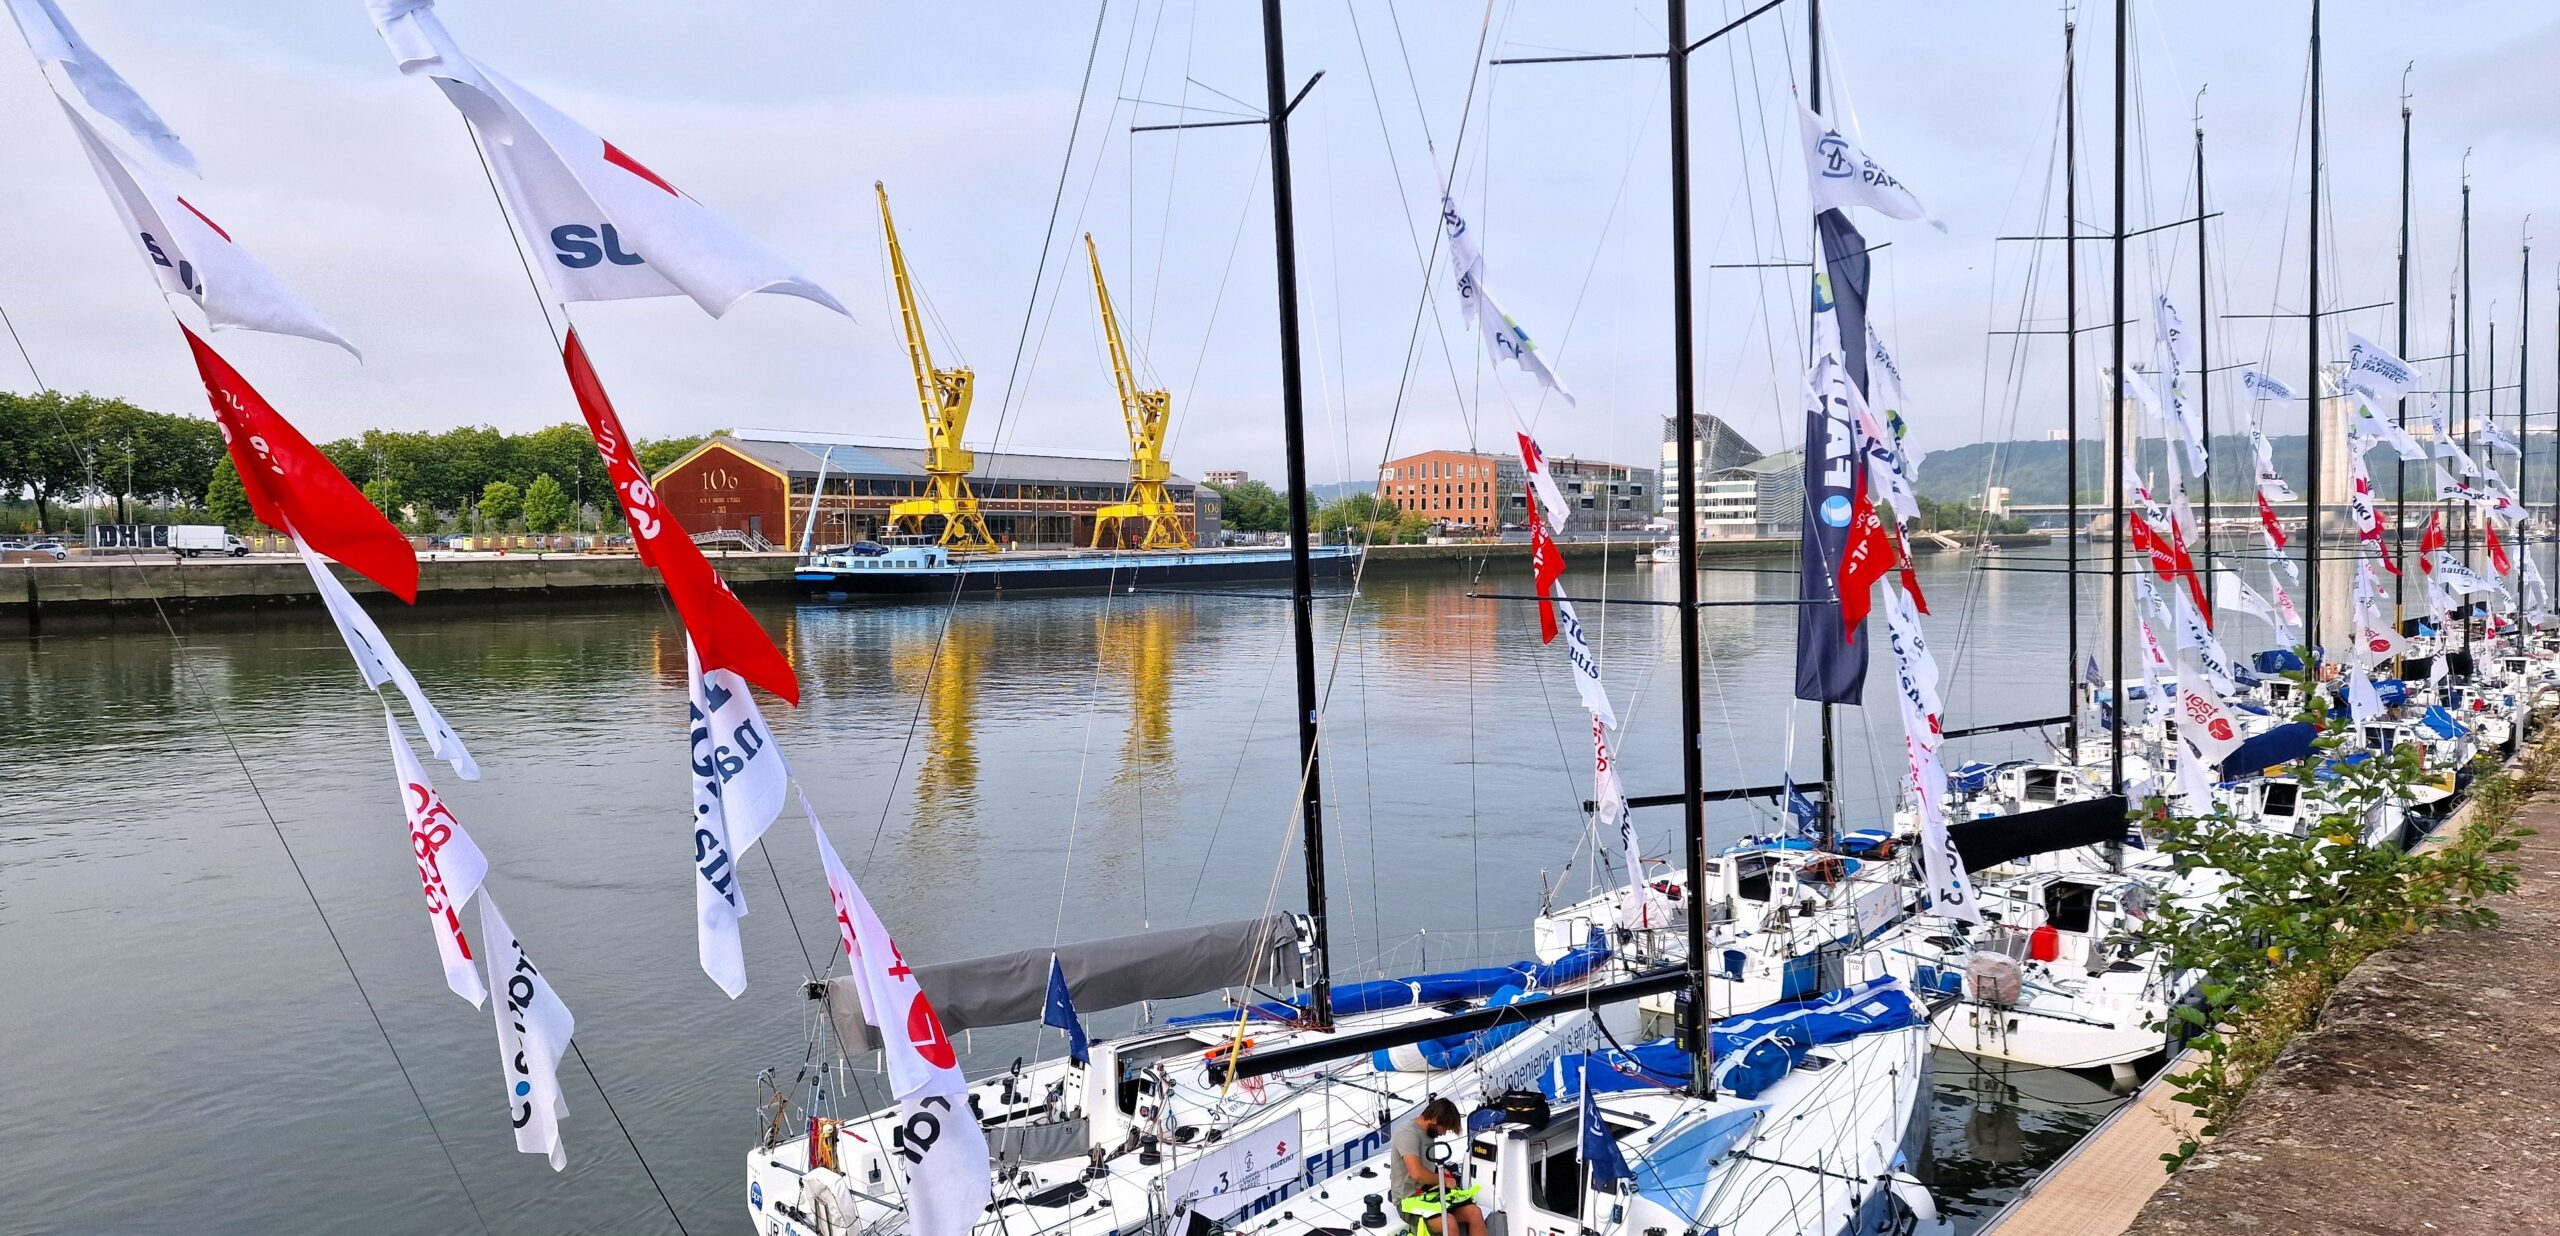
(2427, 1101)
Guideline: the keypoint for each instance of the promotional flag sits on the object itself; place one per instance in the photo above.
(293, 488)
(740, 782)
(450, 866)
(2497, 438)
(2368, 513)
(2284, 605)
(2498, 560)
(378, 664)
(1827, 667)
(2367, 427)
(534, 1029)
(1886, 478)
(599, 224)
(1867, 560)
(1606, 1164)
(2261, 386)
(1586, 667)
(2374, 372)
(2207, 732)
(940, 1148)
(1533, 462)
(2267, 522)
(1546, 567)
(192, 256)
(1800, 809)
(2175, 350)
(2230, 591)
(55, 44)
(1609, 805)
(2363, 702)
(2459, 580)
(2430, 541)
(2271, 483)
(2376, 641)
(1842, 175)
(1508, 340)
(2194, 634)
(1059, 1012)
(719, 625)
(1941, 863)
(1911, 652)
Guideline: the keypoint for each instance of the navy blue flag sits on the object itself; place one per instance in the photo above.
(1600, 1149)
(1807, 816)
(1831, 666)
(1060, 1011)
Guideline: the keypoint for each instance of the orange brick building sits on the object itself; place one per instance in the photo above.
(1455, 489)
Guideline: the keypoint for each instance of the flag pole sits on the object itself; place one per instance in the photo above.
(2400, 493)
(2524, 458)
(2311, 359)
(2071, 384)
(2204, 348)
(2471, 511)
(1284, 245)
(2115, 486)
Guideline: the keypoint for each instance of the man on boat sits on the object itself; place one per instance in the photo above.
(1425, 1189)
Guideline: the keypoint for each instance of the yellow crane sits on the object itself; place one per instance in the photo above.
(944, 394)
(1147, 413)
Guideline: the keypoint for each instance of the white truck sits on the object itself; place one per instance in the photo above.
(189, 540)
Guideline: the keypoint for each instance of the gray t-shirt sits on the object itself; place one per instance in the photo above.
(1410, 1140)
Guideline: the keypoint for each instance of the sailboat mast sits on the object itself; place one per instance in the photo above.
(2115, 507)
(1693, 807)
(1830, 741)
(2524, 429)
(2400, 490)
(2204, 346)
(2311, 356)
(2071, 383)
(1284, 245)
(2469, 513)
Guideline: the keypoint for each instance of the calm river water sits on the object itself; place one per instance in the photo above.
(181, 1049)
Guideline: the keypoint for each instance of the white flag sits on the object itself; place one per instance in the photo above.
(1888, 479)
(2459, 580)
(1843, 175)
(1533, 462)
(1917, 668)
(2232, 592)
(1508, 339)
(192, 256)
(51, 38)
(2366, 422)
(939, 1145)
(534, 1029)
(599, 224)
(2497, 438)
(2270, 481)
(1609, 806)
(2374, 372)
(1586, 667)
(2174, 352)
(2207, 732)
(740, 782)
(1941, 863)
(2260, 386)
(379, 664)
(2195, 635)
(2285, 609)
(2363, 702)
(2376, 639)
(450, 866)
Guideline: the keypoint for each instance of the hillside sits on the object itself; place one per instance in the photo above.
(2033, 470)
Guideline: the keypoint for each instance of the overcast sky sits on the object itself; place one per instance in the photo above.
(359, 186)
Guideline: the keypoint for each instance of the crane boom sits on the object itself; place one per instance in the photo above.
(1147, 414)
(944, 395)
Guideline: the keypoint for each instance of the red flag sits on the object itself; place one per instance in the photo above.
(1546, 566)
(1867, 557)
(723, 632)
(2430, 541)
(294, 488)
(2267, 516)
(1910, 578)
(2171, 561)
(2498, 549)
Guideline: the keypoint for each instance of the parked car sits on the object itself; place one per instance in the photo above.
(49, 548)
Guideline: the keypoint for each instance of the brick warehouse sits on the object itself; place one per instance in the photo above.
(760, 483)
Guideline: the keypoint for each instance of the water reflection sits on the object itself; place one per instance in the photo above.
(1994, 1127)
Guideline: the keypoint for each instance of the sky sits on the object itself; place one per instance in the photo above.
(359, 186)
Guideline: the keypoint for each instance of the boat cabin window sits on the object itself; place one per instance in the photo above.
(1751, 877)
(1555, 1177)
(2043, 785)
(2279, 798)
(2067, 906)
(2378, 737)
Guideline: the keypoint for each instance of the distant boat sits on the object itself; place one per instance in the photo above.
(928, 569)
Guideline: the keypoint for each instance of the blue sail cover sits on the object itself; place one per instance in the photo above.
(2276, 661)
(1673, 1171)
(2440, 722)
(1754, 1050)
(2282, 745)
(1453, 1050)
(1658, 1065)
(1377, 994)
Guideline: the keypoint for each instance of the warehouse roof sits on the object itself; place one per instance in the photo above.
(800, 454)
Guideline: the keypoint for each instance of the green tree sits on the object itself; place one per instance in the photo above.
(226, 500)
(1251, 506)
(499, 503)
(546, 505)
(38, 450)
(384, 494)
(656, 453)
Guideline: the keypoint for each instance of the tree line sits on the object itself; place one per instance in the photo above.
(1252, 506)
(61, 456)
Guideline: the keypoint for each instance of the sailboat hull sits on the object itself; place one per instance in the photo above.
(846, 577)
